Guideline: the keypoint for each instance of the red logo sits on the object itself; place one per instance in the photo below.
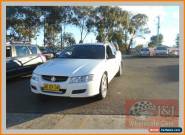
(151, 113)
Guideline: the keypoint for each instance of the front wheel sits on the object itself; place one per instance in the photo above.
(103, 87)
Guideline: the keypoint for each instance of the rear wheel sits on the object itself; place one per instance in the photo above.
(103, 87)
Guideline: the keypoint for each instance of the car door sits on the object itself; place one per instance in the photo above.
(35, 58)
(110, 63)
(11, 66)
(117, 57)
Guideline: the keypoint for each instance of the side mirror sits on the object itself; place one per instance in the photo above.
(68, 53)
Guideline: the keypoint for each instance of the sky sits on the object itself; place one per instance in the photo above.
(169, 25)
(169, 21)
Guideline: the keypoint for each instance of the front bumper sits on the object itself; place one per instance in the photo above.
(87, 89)
(145, 54)
(161, 54)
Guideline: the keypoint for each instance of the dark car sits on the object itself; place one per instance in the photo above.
(22, 58)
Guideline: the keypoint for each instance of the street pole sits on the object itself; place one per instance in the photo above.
(36, 40)
(158, 27)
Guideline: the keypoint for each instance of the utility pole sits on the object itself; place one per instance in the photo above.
(44, 40)
(158, 27)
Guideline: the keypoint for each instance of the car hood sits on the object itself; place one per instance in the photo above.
(68, 67)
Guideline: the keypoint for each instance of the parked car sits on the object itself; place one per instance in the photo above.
(81, 70)
(161, 51)
(173, 51)
(48, 53)
(22, 58)
(144, 52)
(58, 53)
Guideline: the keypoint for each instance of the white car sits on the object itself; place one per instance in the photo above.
(145, 52)
(81, 70)
(161, 51)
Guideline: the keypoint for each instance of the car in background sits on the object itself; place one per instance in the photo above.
(58, 53)
(161, 51)
(22, 58)
(144, 52)
(173, 51)
(49, 53)
(81, 70)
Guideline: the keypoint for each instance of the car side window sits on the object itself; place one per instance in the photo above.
(109, 53)
(113, 48)
(8, 51)
(22, 51)
(33, 49)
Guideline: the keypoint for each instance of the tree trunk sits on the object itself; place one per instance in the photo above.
(44, 35)
(81, 33)
(61, 38)
(129, 45)
(85, 36)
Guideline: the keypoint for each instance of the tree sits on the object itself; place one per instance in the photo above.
(139, 46)
(22, 22)
(150, 44)
(109, 23)
(118, 37)
(83, 18)
(69, 39)
(108, 20)
(155, 40)
(177, 40)
(51, 24)
(136, 28)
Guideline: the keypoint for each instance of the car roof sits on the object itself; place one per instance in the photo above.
(19, 44)
(90, 44)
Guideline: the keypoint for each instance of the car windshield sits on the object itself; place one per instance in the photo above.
(144, 49)
(83, 52)
(161, 48)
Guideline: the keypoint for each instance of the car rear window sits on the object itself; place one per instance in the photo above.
(33, 49)
(22, 51)
(8, 51)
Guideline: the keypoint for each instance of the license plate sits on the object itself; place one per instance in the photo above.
(51, 87)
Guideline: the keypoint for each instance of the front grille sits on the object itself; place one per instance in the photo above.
(57, 78)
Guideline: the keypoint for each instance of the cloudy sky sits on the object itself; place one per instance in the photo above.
(169, 24)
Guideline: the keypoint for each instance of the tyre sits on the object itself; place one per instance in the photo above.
(103, 87)
(119, 73)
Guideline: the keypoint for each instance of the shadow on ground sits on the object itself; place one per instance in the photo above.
(169, 73)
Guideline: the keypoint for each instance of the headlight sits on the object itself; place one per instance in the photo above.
(81, 79)
(35, 77)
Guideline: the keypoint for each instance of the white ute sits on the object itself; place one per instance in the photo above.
(81, 70)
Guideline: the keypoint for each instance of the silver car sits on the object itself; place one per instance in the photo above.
(22, 58)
